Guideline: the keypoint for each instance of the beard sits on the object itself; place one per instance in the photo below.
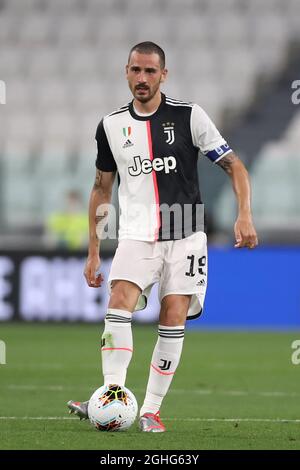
(147, 95)
(143, 98)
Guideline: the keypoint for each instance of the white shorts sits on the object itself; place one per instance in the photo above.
(179, 266)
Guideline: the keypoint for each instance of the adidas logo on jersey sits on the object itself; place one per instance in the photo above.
(146, 166)
(127, 144)
(201, 283)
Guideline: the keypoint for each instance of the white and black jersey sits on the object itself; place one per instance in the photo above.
(156, 159)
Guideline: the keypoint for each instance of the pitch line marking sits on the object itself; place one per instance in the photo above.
(228, 420)
(61, 388)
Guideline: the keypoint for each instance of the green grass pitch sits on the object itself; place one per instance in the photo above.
(232, 390)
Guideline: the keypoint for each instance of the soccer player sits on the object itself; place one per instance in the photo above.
(153, 145)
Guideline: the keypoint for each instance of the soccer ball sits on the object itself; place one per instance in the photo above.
(112, 408)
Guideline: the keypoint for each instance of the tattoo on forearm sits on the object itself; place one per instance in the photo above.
(227, 161)
(98, 179)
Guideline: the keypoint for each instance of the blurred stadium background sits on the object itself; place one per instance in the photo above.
(63, 65)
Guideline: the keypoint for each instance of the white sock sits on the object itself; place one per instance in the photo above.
(165, 359)
(116, 346)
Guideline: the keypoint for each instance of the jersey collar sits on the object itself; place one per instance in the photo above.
(147, 118)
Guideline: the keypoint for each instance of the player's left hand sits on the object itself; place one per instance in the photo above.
(245, 234)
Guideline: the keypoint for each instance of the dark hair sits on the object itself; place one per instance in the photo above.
(149, 47)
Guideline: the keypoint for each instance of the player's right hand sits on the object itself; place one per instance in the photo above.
(91, 272)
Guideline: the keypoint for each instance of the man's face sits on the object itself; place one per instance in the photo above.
(144, 75)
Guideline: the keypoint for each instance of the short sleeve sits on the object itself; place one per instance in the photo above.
(206, 136)
(105, 160)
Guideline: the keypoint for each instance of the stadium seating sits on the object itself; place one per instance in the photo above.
(63, 62)
(275, 177)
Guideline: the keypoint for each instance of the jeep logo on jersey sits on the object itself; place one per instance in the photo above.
(165, 164)
(169, 130)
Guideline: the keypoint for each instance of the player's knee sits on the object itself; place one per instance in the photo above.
(120, 299)
(172, 317)
(124, 295)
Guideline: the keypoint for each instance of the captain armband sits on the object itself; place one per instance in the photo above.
(216, 154)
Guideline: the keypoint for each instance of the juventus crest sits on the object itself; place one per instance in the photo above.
(169, 130)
